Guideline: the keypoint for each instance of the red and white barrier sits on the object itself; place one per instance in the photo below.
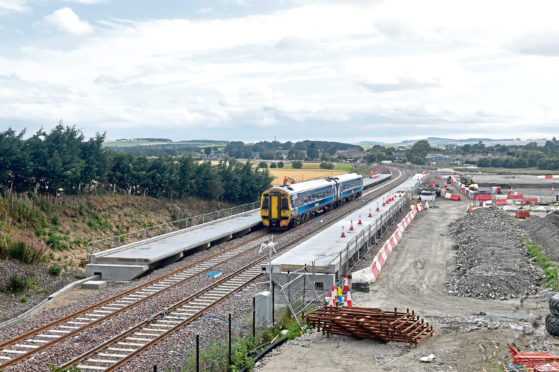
(371, 273)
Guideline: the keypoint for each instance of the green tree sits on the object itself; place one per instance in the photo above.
(312, 151)
(297, 164)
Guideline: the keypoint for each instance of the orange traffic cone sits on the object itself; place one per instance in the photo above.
(351, 226)
(348, 299)
(359, 222)
(333, 295)
(343, 233)
(345, 302)
(378, 207)
(371, 215)
(346, 284)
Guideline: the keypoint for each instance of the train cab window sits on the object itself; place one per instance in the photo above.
(284, 203)
(266, 203)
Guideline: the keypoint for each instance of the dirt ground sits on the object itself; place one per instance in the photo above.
(470, 334)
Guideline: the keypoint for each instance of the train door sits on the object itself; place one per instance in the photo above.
(275, 206)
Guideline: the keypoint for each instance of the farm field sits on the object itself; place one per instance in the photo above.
(300, 175)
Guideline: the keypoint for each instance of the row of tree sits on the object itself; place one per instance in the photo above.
(63, 161)
(302, 150)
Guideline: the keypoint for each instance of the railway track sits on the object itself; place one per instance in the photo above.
(118, 351)
(138, 338)
(24, 346)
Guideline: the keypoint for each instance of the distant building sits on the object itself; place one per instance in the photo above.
(351, 154)
(398, 156)
(437, 159)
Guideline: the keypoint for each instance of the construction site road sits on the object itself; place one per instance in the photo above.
(470, 334)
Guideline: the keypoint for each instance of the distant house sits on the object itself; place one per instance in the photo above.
(351, 154)
(457, 159)
(398, 156)
(437, 159)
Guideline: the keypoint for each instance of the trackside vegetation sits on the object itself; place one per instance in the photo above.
(550, 268)
(64, 162)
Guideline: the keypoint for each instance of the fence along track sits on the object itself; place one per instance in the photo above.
(24, 346)
(122, 348)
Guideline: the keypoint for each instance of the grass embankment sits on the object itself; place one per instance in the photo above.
(550, 268)
(37, 228)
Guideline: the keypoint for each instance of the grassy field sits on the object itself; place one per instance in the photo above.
(300, 175)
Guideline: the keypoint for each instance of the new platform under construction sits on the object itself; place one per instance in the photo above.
(328, 253)
(132, 260)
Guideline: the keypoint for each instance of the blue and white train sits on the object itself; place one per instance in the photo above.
(291, 205)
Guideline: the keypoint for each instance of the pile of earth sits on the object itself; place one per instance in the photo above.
(491, 261)
(545, 232)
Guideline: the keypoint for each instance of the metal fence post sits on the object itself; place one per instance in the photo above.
(166, 227)
(254, 318)
(197, 353)
(229, 339)
(145, 232)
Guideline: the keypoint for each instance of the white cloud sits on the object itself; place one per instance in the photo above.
(204, 10)
(66, 20)
(90, 2)
(393, 67)
(13, 6)
(236, 2)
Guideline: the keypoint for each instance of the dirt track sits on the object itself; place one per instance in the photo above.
(471, 334)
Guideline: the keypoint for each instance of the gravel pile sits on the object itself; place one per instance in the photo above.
(545, 232)
(491, 261)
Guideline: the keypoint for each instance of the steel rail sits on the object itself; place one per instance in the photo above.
(61, 321)
(134, 352)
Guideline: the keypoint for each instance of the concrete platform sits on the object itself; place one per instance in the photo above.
(370, 182)
(94, 284)
(132, 260)
(327, 254)
(514, 180)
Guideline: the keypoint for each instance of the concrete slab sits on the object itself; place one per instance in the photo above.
(327, 252)
(369, 182)
(514, 180)
(113, 272)
(131, 260)
(94, 284)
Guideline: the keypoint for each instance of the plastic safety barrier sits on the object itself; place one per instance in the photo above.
(372, 272)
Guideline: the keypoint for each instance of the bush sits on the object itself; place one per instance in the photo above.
(325, 165)
(3, 247)
(17, 283)
(23, 298)
(297, 164)
(26, 249)
(273, 165)
(54, 269)
(280, 164)
(262, 164)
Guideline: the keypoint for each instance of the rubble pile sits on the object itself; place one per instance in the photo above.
(491, 261)
(545, 232)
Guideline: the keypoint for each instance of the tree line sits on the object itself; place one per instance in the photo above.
(63, 161)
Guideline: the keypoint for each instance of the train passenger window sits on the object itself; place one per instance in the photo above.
(266, 203)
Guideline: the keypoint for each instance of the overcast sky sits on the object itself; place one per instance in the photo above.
(250, 70)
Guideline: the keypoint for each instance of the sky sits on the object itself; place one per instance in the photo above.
(250, 70)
